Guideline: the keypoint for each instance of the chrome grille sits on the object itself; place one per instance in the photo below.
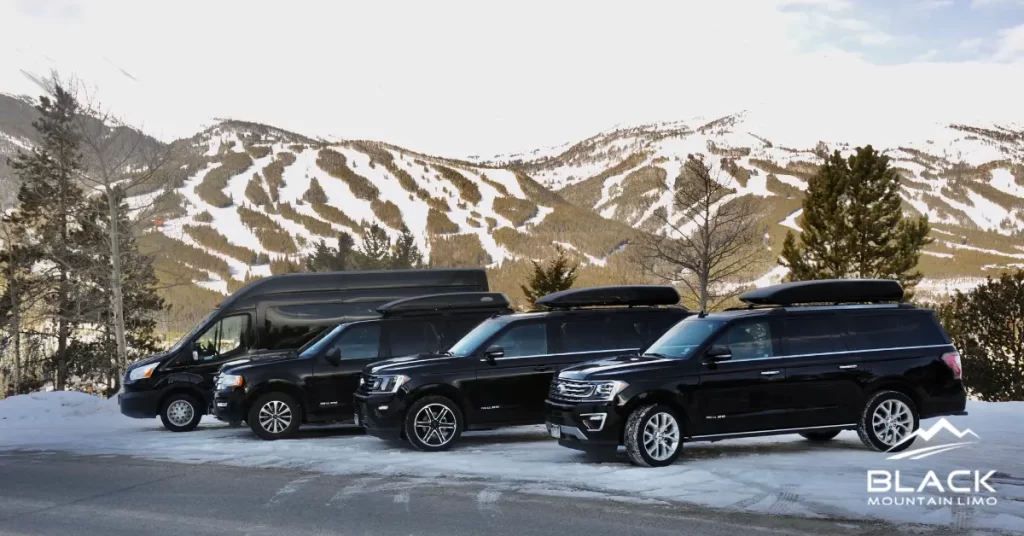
(571, 390)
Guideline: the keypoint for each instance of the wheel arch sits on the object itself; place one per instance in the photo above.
(190, 390)
(444, 389)
(894, 383)
(273, 386)
(657, 396)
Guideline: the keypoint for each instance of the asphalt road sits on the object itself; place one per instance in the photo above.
(62, 494)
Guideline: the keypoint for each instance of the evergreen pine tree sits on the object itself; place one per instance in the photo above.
(49, 203)
(406, 255)
(987, 327)
(853, 224)
(557, 275)
(376, 254)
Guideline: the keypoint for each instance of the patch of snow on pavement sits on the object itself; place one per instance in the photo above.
(781, 474)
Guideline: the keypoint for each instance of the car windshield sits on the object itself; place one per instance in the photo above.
(680, 341)
(318, 343)
(472, 340)
(199, 326)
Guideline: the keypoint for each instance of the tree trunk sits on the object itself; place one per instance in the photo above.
(62, 331)
(16, 334)
(116, 295)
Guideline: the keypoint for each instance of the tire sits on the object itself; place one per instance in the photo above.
(874, 428)
(181, 412)
(664, 432)
(275, 415)
(433, 423)
(819, 437)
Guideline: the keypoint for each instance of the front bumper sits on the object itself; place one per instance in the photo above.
(588, 427)
(140, 404)
(382, 415)
(230, 405)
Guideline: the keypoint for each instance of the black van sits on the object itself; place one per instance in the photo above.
(499, 373)
(266, 318)
(857, 363)
(276, 396)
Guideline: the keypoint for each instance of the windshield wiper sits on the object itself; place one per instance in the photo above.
(653, 354)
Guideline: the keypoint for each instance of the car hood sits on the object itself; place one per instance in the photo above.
(244, 365)
(422, 363)
(275, 356)
(614, 367)
(155, 358)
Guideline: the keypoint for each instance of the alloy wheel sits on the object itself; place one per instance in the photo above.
(434, 425)
(661, 436)
(275, 416)
(180, 413)
(892, 421)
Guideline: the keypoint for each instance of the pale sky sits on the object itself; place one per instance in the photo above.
(458, 78)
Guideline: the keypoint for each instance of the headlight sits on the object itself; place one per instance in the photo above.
(142, 372)
(605, 391)
(229, 380)
(387, 384)
(598, 391)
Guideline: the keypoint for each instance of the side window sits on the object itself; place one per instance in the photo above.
(880, 331)
(359, 341)
(224, 338)
(291, 326)
(748, 340)
(524, 340)
(811, 334)
(411, 337)
(623, 333)
(583, 334)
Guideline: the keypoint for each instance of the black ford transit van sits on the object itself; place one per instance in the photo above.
(499, 373)
(266, 318)
(810, 358)
(315, 385)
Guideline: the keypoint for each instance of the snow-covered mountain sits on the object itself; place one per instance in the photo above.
(243, 199)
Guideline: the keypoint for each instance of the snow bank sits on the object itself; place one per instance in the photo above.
(775, 475)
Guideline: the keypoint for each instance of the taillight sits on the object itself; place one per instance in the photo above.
(952, 360)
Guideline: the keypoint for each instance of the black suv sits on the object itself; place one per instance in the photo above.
(770, 368)
(315, 384)
(499, 373)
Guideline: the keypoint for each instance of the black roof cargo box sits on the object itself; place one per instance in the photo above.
(826, 291)
(622, 295)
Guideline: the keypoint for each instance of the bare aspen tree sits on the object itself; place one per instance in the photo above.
(120, 162)
(711, 239)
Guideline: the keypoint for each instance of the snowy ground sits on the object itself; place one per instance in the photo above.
(781, 475)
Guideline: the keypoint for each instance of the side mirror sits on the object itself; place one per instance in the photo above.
(494, 352)
(717, 353)
(333, 356)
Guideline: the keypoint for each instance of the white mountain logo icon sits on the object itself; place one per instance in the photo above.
(927, 434)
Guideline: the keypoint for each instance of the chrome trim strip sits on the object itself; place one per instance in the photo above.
(613, 367)
(843, 352)
(777, 430)
(584, 416)
(409, 362)
(570, 353)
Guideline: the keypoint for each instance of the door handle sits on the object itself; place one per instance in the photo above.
(542, 368)
(769, 372)
(845, 367)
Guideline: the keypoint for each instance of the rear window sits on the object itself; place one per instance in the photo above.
(894, 330)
